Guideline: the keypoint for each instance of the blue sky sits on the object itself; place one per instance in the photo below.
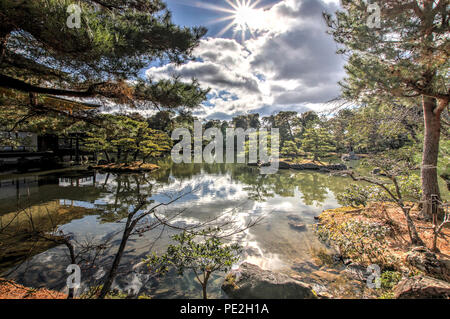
(284, 61)
(191, 13)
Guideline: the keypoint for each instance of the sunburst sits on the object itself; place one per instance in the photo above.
(244, 18)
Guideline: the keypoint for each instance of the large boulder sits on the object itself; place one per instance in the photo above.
(423, 259)
(422, 287)
(252, 282)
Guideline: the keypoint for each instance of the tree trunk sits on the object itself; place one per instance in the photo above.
(435, 237)
(205, 284)
(73, 261)
(204, 291)
(119, 154)
(107, 156)
(429, 177)
(113, 271)
(413, 235)
(4, 35)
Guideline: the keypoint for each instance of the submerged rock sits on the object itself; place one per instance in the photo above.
(297, 226)
(294, 218)
(252, 282)
(422, 287)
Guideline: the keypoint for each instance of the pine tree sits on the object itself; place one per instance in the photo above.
(43, 55)
(126, 136)
(407, 58)
(318, 141)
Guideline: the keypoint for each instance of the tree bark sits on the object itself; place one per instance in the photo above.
(113, 271)
(432, 131)
(135, 156)
(4, 36)
(73, 261)
(413, 235)
(12, 83)
(205, 284)
(107, 156)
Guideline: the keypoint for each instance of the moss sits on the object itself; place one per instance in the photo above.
(94, 291)
(387, 295)
(389, 279)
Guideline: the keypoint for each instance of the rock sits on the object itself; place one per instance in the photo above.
(297, 226)
(422, 287)
(321, 291)
(252, 251)
(422, 258)
(337, 258)
(325, 276)
(284, 165)
(347, 261)
(356, 271)
(252, 282)
(305, 267)
(314, 166)
(294, 218)
(376, 171)
(350, 157)
(336, 167)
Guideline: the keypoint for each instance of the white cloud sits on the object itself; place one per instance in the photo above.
(289, 63)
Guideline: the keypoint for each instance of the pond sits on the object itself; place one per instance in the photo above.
(91, 205)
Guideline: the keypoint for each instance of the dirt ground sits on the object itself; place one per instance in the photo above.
(391, 215)
(11, 290)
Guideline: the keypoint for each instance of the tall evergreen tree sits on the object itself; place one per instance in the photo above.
(406, 58)
(318, 141)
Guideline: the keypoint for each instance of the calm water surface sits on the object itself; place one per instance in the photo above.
(92, 206)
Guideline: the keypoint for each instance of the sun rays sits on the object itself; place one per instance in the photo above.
(243, 18)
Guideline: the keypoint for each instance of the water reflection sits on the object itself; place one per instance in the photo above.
(94, 205)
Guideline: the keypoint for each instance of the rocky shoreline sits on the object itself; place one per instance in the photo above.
(305, 165)
(405, 271)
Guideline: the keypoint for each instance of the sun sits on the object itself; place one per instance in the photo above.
(244, 18)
